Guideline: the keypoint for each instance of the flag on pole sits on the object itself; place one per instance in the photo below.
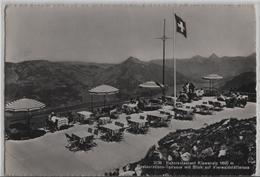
(180, 26)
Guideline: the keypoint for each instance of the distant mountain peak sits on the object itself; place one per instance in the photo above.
(132, 60)
(252, 55)
(213, 55)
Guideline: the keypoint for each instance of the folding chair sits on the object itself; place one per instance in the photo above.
(68, 137)
(72, 144)
(90, 130)
(96, 132)
(142, 117)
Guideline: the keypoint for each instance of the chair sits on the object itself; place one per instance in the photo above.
(128, 117)
(90, 130)
(119, 124)
(96, 132)
(72, 143)
(211, 102)
(68, 136)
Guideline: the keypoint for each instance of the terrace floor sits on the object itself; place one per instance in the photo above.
(47, 155)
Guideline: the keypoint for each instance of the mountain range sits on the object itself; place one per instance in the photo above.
(244, 82)
(63, 83)
(228, 67)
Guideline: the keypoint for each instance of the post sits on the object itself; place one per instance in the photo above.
(174, 63)
(104, 101)
(163, 39)
(209, 87)
(91, 97)
(29, 121)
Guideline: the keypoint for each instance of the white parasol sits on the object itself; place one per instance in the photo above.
(212, 78)
(152, 85)
(102, 90)
(24, 105)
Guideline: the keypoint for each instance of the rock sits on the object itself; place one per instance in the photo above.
(208, 152)
(169, 158)
(175, 155)
(175, 146)
(229, 139)
(138, 170)
(186, 157)
(222, 152)
(195, 148)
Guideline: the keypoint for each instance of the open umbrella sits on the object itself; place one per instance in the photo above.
(152, 85)
(212, 78)
(102, 90)
(24, 105)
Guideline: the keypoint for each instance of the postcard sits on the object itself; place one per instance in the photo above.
(120, 90)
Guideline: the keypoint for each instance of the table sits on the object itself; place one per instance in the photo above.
(60, 121)
(158, 119)
(85, 116)
(167, 107)
(151, 107)
(136, 120)
(83, 136)
(138, 125)
(129, 106)
(112, 129)
(103, 120)
(167, 112)
(184, 114)
(158, 115)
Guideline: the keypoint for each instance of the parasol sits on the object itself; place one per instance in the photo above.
(212, 78)
(102, 90)
(24, 105)
(152, 85)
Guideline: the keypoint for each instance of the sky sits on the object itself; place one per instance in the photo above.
(111, 34)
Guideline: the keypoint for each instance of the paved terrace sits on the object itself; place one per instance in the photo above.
(47, 155)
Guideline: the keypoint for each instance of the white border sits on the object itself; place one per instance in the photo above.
(257, 6)
(121, 2)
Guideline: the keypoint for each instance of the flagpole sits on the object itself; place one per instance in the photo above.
(164, 39)
(174, 62)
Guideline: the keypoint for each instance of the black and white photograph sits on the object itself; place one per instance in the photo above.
(129, 90)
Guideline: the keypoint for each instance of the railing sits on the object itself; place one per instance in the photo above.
(214, 91)
(100, 104)
(76, 107)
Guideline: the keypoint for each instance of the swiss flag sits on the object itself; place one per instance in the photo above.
(180, 26)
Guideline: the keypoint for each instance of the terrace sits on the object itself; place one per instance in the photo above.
(47, 154)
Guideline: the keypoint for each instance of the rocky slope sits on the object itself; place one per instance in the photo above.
(223, 148)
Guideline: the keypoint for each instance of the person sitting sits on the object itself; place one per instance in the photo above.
(221, 98)
(183, 97)
(51, 115)
(185, 88)
(191, 87)
(140, 105)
